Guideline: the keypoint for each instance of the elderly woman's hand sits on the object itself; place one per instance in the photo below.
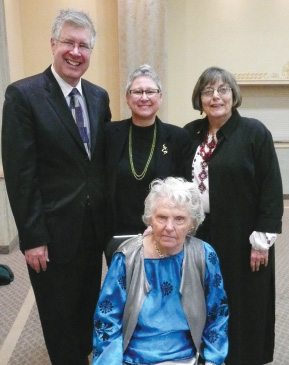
(149, 230)
(258, 258)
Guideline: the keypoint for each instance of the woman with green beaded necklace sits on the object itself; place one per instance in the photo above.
(138, 150)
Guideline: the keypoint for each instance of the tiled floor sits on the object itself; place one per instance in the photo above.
(21, 339)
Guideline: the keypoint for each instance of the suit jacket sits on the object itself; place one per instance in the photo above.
(49, 177)
(172, 154)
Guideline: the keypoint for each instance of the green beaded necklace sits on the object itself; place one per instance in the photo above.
(142, 175)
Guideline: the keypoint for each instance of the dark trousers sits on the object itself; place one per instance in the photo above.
(66, 296)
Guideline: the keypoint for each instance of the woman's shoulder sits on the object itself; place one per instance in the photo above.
(254, 124)
(193, 241)
(193, 123)
(117, 124)
(194, 244)
(168, 126)
(253, 131)
(174, 132)
(131, 244)
(195, 126)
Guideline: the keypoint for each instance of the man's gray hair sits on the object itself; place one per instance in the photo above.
(143, 70)
(180, 193)
(77, 18)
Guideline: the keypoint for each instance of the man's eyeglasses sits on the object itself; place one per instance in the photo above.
(70, 45)
(222, 90)
(149, 93)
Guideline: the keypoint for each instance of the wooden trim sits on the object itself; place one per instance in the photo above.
(281, 144)
(263, 82)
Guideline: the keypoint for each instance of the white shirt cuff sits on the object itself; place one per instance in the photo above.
(262, 241)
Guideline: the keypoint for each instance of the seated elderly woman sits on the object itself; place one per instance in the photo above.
(163, 299)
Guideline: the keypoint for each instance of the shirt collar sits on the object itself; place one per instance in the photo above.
(65, 87)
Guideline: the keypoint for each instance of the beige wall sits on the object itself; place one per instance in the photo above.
(243, 36)
(14, 39)
(29, 30)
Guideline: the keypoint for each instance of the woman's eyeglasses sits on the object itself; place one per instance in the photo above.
(149, 93)
(221, 90)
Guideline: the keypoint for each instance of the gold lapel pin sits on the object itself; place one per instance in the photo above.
(164, 149)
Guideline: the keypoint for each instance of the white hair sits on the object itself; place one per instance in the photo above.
(77, 18)
(180, 193)
(143, 70)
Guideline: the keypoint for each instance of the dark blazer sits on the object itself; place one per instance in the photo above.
(49, 177)
(170, 138)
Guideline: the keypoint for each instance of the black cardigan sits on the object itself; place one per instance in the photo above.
(245, 196)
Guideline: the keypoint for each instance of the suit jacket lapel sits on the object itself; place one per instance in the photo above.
(118, 140)
(92, 103)
(57, 101)
(115, 143)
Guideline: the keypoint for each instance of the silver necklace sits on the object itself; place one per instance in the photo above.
(161, 255)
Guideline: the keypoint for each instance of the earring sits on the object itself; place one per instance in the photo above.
(191, 230)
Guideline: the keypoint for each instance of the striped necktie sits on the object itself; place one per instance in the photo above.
(77, 113)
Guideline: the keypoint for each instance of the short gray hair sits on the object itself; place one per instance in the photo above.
(181, 194)
(77, 18)
(143, 70)
(209, 77)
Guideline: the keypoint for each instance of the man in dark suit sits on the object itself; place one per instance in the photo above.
(55, 182)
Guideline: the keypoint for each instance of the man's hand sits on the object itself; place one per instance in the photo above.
(37, 258)
(258, 258)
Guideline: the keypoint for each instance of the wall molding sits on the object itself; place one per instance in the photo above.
(263, 78)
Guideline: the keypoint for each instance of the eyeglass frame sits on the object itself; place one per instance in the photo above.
(212, 91)
(149, 93)
(82, 47)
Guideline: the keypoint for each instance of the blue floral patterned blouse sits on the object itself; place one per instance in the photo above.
(162, 332)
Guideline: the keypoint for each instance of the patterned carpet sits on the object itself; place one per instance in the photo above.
(21, 339)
